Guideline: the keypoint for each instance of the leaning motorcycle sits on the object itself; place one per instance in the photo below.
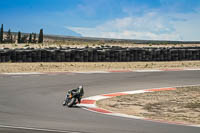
(71, 99)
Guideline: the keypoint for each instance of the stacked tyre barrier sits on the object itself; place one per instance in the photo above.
(110, 54)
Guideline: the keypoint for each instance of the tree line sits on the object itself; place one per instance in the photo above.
(8, 37)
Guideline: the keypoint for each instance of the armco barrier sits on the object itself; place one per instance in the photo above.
(99, 54)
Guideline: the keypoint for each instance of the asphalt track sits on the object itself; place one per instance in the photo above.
(35, 101)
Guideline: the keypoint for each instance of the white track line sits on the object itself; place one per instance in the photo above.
(148, 71)
(36, 129)
(98, 97)
(31, 73)
(91, 72)
(188, 69)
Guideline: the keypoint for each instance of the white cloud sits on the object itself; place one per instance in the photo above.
(152, 26)
(124, 34)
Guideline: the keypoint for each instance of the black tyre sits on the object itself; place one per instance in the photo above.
(71, 102)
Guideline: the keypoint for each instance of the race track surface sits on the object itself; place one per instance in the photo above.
(35, 101)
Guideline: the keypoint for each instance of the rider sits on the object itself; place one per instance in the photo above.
(79, 91)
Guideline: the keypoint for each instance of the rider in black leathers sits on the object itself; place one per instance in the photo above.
(79, 91)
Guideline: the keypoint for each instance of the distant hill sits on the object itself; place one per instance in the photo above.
(112, 40)
(108, 40)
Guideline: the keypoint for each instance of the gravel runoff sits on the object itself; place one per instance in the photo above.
(180, 105)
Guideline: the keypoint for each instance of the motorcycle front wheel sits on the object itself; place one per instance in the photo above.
(64, 103)
(71, 102)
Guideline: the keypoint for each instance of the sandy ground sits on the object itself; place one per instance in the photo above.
(93, 66)
(180, 105)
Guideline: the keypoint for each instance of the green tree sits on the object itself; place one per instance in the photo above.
(19, 37)
(9, 37)
(30, 38)
(40, 40)
(34, 38)
(24, 39)
(1, 34)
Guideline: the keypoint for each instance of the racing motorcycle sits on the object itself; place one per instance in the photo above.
(71, 99)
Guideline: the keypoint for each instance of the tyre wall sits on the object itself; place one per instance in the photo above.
(112, 54)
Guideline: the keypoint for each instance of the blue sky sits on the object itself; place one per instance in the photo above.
(126, 19)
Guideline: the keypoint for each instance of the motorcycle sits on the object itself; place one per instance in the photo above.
(71, 99)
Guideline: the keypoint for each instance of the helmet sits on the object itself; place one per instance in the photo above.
(80, 87)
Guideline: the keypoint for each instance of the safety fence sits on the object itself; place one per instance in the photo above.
(110, 54)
